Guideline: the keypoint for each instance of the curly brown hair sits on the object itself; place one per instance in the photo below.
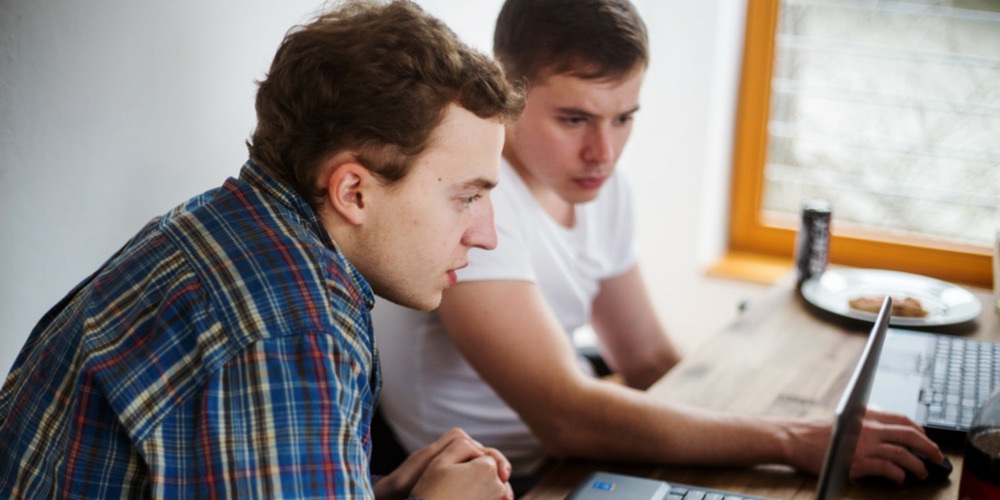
(593, 39)
(371, 77)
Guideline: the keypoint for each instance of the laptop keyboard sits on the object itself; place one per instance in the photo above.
(965, 372)
(685, 492)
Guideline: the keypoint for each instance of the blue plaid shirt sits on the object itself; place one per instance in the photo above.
(225, 351)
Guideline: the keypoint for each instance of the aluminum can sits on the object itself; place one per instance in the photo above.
(812, 244)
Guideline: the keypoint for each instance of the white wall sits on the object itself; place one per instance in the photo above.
(113, 111)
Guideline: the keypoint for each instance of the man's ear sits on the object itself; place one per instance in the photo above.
(347, 185)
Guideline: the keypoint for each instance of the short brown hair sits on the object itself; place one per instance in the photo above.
(372, 77)
(594, 39)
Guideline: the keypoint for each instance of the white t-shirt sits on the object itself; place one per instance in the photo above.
(428, 387)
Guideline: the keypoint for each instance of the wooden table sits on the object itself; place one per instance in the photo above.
(781, 356)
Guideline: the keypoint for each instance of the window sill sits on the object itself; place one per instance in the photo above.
(753, 267)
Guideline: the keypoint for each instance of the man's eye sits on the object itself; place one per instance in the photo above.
(624, 119)
(471, 199)
(573, 120)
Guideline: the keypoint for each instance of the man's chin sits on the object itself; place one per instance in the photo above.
(425, 304)
(582, 197)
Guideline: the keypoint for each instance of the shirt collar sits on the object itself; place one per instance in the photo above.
(284, 194)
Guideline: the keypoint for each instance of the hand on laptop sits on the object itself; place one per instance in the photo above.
(453, 466)
(885, 448)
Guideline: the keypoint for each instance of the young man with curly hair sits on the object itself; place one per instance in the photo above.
(227, 349)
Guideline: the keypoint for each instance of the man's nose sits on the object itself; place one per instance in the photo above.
(600, 146)
(482, 233)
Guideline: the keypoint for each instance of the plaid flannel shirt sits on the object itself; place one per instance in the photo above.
(225, 351)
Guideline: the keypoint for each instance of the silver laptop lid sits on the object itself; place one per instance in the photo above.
(851, 412)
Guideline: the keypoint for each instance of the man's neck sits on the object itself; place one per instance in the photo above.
(561, 211)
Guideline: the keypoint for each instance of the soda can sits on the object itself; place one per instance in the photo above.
(812, 243)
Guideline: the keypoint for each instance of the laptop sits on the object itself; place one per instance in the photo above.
(839, 454)
(937, 380)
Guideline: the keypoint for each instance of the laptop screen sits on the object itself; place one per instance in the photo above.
(851, 411)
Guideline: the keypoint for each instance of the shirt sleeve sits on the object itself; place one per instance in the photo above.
(284, 419)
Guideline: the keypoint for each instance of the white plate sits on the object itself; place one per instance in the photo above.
(946, 304)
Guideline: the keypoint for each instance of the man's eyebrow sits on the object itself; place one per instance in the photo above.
(574, 111)
(580, 112)
(477, 183)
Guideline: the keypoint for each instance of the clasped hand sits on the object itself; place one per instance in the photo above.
(454, 466)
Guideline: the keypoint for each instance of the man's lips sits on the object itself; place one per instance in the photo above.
(453, 273)
(590, 182)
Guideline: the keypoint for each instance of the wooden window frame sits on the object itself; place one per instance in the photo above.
(750, 234)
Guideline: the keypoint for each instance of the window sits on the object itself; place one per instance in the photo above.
(889, 110)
